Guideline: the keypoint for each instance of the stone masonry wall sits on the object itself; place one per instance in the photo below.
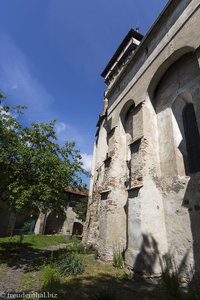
(143, 196)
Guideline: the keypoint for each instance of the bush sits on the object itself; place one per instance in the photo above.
(26, 227)
(81, 208)
(70, 264)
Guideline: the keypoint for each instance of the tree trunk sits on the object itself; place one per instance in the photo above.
(11, 224)
(41, 223)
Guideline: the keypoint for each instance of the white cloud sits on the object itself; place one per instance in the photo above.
(14, 86)
(21, 85)
(87, 161)
(66, 132)
(19, 82)
(60, 127)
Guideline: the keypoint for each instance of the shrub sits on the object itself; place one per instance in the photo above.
(26, 227)
(81, 208)
(70, 264)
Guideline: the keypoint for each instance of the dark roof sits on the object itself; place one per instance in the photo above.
(131, 34)
(77, 191)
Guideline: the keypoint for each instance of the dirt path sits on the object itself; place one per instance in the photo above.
(10, 282)
(55, 247)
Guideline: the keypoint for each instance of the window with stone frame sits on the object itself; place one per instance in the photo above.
(128, 123)
(192, 138)
(133, 130)
(136, 163)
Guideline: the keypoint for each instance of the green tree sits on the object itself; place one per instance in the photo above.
(35, 170)
(81, 208)
(10, 143)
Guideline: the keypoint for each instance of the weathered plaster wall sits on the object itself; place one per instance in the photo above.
(142, 196)
(70, 219)
(91, 226)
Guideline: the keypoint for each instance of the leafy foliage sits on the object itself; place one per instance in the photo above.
(51, 278)
(70, 264)
(118, 261)
(76, 248)
(171, 284)
(26, 227)
(35, 170)
(81, 208)
(170, 278)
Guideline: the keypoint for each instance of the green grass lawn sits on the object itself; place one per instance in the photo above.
(37, 241)
(101, 281)
(41, 272)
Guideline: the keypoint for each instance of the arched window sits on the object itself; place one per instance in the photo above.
(126, 113)
(192, 138)
(128, 120)
(77, 228)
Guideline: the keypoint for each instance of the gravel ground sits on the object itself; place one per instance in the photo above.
(10, 282)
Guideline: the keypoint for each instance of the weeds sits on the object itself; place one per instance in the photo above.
(70, 264)
(76, 248)
(170, 279)
(118, 261)
(96, 254)
(21, 238)
(51, 278)
(171, 284)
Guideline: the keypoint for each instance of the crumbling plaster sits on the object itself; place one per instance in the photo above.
(156, 211)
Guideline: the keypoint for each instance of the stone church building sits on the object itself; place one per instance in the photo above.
(145, 185)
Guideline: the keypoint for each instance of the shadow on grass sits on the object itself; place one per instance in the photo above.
(108, 287)
(16, 255)
(84, 286)
(105, 287)
(22, 255)
(116, 287)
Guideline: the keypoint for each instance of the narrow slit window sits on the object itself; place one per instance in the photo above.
(192, 138)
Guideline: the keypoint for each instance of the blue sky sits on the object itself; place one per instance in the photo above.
(53, 51)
